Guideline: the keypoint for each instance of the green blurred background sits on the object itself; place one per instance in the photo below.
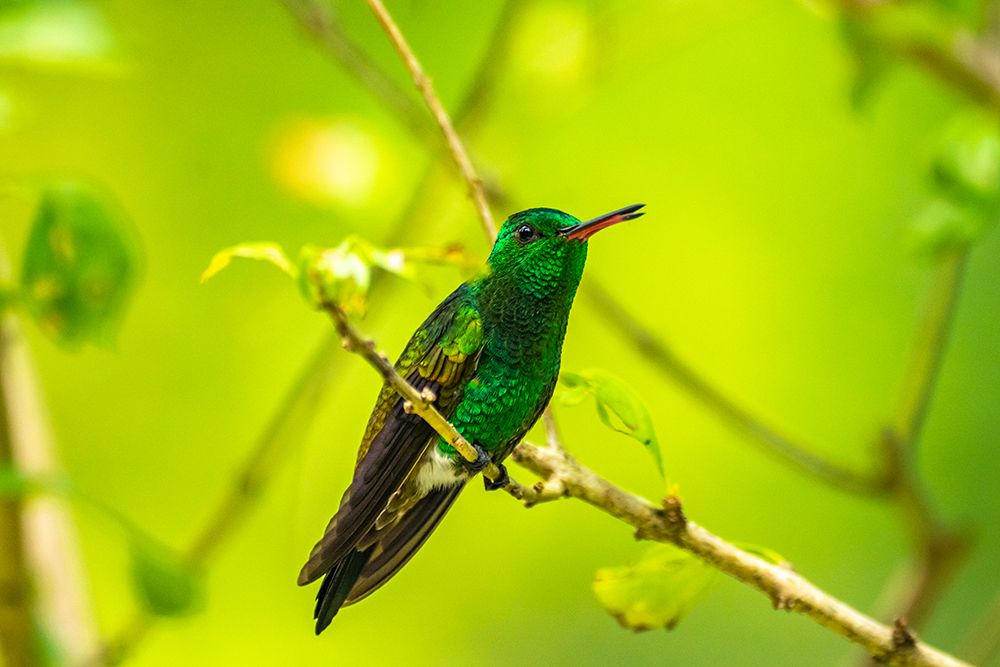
(773, 258)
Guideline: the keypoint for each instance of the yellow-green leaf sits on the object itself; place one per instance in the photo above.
(265, 252)
(618, 406)
(655, 592)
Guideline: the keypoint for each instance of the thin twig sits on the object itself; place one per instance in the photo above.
(932, 340)
(426, 88)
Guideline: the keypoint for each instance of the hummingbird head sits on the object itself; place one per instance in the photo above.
(543, 250)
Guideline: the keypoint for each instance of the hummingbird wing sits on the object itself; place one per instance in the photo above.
(441, 356)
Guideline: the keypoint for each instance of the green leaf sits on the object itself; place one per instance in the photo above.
(944, 227)
(164, 582)
(618, 406)
(655, 592)
(80, 265)
(967, 166)
(265, 252)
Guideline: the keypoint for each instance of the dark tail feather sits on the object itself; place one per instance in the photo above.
(336, 586)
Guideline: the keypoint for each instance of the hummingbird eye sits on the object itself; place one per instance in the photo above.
(526, 234)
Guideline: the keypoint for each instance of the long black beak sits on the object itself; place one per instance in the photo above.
(584, 230)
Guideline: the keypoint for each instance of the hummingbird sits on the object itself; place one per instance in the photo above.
(490, 355)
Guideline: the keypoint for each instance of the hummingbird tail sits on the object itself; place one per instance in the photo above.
(337, 585)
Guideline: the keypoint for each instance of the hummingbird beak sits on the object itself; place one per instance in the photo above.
(584, 230)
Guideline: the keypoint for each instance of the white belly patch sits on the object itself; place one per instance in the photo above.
(438, 471)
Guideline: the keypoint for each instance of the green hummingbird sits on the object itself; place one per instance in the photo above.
(490, 354)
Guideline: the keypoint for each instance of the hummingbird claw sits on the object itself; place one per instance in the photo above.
(482, 460)
(500, 482)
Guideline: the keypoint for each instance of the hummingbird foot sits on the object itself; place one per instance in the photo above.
(482, 460)
(502, 480)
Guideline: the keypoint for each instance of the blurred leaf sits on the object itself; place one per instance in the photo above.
(618, 406)
(164, 582)
(80, 265)
(967, 167)
(944, 227)
(56, 33)
(656, 591)
(265, 252)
